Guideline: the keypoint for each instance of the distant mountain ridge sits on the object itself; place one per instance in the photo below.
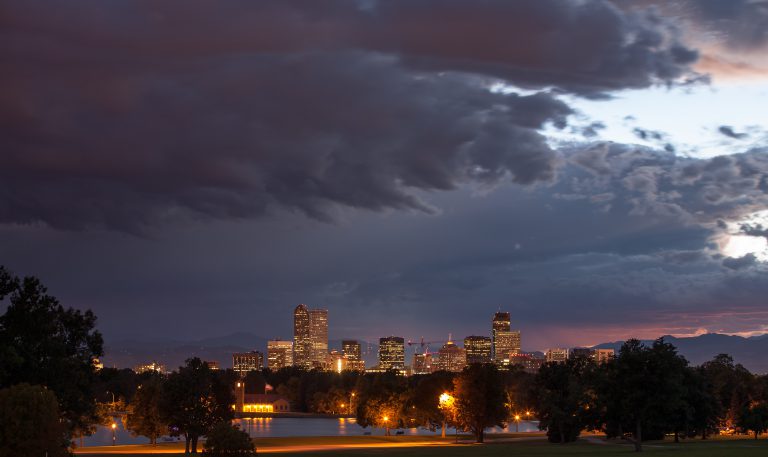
(750, 352)
(172, 353)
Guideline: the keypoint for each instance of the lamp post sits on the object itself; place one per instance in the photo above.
(517, 423)
(445, 404)
(114, 434)
(351, 398)
(386, 425)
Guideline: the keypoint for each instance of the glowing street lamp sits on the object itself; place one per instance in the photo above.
(517, 422)
(386, 425)
(445, 404)
(114, 434)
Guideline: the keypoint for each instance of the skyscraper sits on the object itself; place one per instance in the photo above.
(451, 357)
(279, 354)
(243, 362)
(515, 341)
(503, 346)
(392, 353)
(302, 342)
(478, 349)
(500, 323)
(318, 324)
(352, 354)
(422, 363)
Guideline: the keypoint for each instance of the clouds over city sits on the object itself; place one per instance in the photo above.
(419, 132)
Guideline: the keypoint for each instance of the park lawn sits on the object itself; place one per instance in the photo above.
(427, 446)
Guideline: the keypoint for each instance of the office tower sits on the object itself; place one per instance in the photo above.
(514, 343)
(479, 349)
(302, 342)
(212, 364)
(557, 355)
(243, 362)
(451, 357)
(279, 354)
(604, 355)
(392, 353)
(500, 324)
(422, 363)
(503, 346)
(318, 334)
(352, 354)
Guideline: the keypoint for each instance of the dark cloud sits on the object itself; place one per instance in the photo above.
(743, 23)
(127, 116)
(729, 132)
(740, 262)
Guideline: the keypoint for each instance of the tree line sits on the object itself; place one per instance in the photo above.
(48, 377)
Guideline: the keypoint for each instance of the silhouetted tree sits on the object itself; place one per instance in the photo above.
(144, 415)
(480, 399)
(29, 423)
(562, 399)
(43, 343)
(754, 419)
(195, 398)
(225, 439)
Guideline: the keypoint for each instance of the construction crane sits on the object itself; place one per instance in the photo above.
(424, 345)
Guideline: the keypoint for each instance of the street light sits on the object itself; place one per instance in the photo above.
(114, 434)
(445, 404)
(386, 425)
(517, 422)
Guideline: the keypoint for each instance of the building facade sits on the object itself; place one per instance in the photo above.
(318, 334)
(422, 363)
(353, 355)
(451, 357)
(279, 354)
(302, 342)
(392, 353)
(479, 349)
(243, 362)
(604, 355)
(499, 324)
(557, 355)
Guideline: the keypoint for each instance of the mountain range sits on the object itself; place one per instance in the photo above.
(750, 352)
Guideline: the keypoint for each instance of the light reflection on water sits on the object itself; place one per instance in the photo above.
(263, 427)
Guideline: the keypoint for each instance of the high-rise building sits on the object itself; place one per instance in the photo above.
(243, 362)
(318, 324)
(515, 341)
(500, 323)
(302, 342)
(557, 355)
(422, 363)
(478, 349)
(279, 354)
(503, 346)
(451, 357)
(352, 354)
(392, 353)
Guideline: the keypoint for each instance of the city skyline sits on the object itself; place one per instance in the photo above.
(399, 163)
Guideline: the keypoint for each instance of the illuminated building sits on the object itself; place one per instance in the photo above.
(515, 342)
(500, 323)
(557, 355)
(586, 353)
(529, 362)
(422, 363)
(318, 334)
(310, 337)
(302, 342)
(503, 346)
(212, 364)
(604, 355)
(451, 357)
(279, 354)
(392, 353)
(352, 354)
(478, 349)
(259, 403)
(154, 366)
(243, 362)
(338, 362)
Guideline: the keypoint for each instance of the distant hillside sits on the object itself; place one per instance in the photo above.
(173, 353)
(750, 352)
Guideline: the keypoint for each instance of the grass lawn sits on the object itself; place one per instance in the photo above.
(435, 447)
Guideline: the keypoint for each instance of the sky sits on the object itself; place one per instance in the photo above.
(189, 169)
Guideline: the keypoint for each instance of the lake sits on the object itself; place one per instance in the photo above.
(290, 426)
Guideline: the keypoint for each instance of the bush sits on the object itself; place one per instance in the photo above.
(226, 439)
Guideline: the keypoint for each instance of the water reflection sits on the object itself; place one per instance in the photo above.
(263, 427)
